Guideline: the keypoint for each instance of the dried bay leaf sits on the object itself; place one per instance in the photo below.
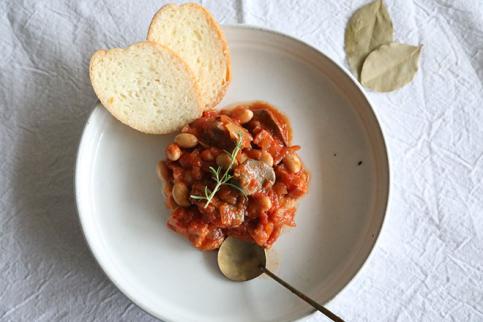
(390, 67)
(368, 28)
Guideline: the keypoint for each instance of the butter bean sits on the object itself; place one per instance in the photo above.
(180, 194)
(186, 140)
(292, 162)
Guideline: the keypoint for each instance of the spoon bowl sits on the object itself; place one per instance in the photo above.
(241, 261)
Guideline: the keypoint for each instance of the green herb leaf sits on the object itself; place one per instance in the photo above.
(390, 67)
(368, 28)
(198, 197)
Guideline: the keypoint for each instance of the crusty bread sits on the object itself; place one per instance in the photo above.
(191, 32)
(146, 86)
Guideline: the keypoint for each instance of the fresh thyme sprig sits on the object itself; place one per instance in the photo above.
(222, 179)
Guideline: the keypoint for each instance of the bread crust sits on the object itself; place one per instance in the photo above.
(95, 58)
(218, 32)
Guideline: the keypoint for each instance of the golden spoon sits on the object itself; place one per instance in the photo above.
(242, 261)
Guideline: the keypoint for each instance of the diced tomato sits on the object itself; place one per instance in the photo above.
(179, 220)
(177, 172)
(268, 143)
(296, 183)
(261, 233)
(231, 216)
(190, 159)
(274, 236)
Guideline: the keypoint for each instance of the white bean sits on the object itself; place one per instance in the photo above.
(173, 152)
(292, 162)
(180, 194)
(223, 160)
(267, 158)
(242, 115)
(186, 140)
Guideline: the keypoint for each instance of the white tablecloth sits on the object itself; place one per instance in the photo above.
(428, 262)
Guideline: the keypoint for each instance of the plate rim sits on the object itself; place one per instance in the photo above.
(386, 160)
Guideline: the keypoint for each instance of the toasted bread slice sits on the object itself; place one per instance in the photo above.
(146, 86)
(191, 32)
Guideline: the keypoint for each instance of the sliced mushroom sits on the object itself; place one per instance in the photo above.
(252, 175)
(215, 134)
(223, 133)
(236, 130)
(269, 121)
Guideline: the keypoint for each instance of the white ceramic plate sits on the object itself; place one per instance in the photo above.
(123, 214)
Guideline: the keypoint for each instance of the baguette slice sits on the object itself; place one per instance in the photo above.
(146, 86)
(192, 32)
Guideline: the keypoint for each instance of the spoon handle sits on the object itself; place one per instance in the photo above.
(304, 297)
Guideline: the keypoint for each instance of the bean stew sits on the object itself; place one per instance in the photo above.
(233, 173)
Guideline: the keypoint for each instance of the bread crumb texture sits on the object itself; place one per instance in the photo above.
(146, 86)
(191, 31)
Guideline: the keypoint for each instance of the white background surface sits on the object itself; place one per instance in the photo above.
(428, 262)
